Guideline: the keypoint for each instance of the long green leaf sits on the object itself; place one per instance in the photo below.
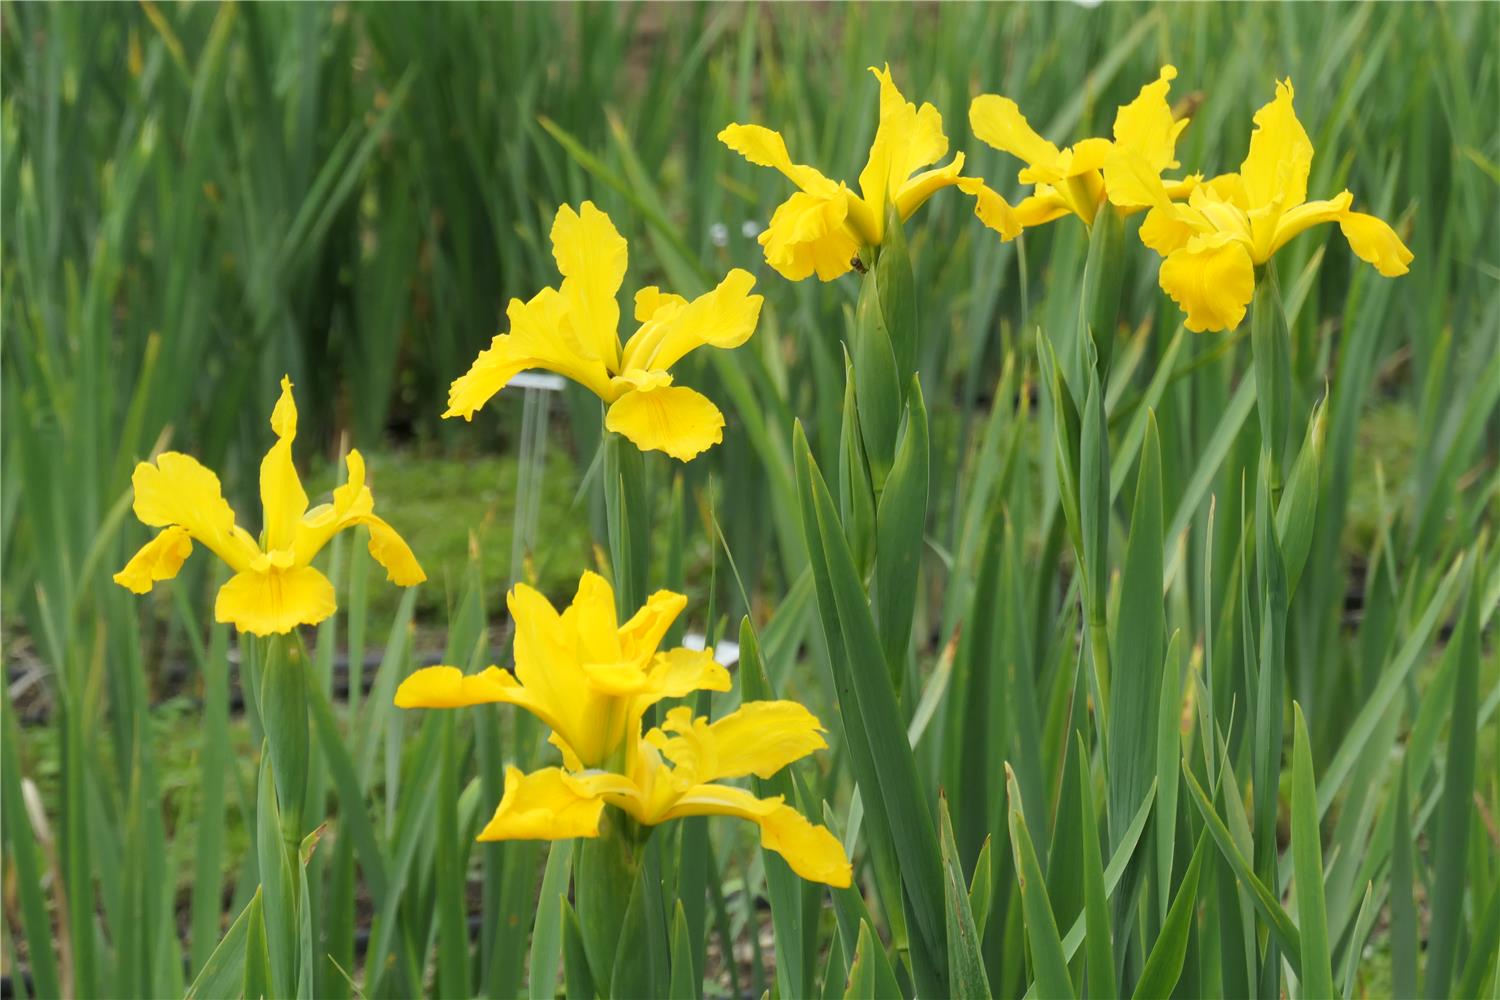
(1041, 926)
(965, 963)
(1307, 860)
(1281, 925)
(1163, 967)
(1450, 845)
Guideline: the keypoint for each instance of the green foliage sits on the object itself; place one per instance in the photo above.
(989, 502)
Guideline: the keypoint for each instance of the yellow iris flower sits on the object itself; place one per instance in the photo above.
(822, 228)
(1073, 180)
(588, 677)
(573, 330)
(591, 680)
(274, 588)
(1235, 223)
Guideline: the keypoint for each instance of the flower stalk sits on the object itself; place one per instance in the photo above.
(607, 870)
(284, 715)
(1271, 347)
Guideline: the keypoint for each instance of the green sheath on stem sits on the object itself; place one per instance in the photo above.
(606, 871)
(1271, 344)
(283, 711)
(1103, 276)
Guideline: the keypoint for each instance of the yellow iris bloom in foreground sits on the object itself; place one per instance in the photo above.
(822, 228)
(591, 680)
(1074, 180)
(573, 330)
(588, 677)
(274, 588)
(1235, 223)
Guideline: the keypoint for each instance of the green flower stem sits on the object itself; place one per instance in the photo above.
(606, 871)
(613, 888)
(1103, 278)
(283, 787)
(284, 713)
(625, 509)
(1271, 346)
(1098, 323)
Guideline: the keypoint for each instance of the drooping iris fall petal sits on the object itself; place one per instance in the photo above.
(1212, 279)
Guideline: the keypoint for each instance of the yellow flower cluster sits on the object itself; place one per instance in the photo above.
(591, 680)
(1212, 233)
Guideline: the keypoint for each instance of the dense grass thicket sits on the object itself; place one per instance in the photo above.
(1116, 699)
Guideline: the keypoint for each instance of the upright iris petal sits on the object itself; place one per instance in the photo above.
(823, 226)
(275, 588)
(574, 331)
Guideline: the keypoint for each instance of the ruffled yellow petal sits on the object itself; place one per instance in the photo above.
(992, 210)
(1280, 156)
(1131, 181)
(682, 671)
(281, 494)
(1182, 188)
(1212, 279)
(998, 121)
(591, 256)
(811, 851)
(807, 236)
(158, 559)
(390, 550)
(640, 636)
(178, 489)
(1307, 215)
(760, 738)
(651, 300)
(1168, 227)
(723, 318)
(1145, 126)
(906, 139)
(765, 148)
(547, 666)
(590, 620)
(1225, 187)
(541, 336)
(352, 505)
(912, 194)
(1228, 217)
(619, 679)
(1083, 157)
(1042, 207)
(544, 805)
(1375, 242)
(677, 420)
(450, 687)
(276, 601)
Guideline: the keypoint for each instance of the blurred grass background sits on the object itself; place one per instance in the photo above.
(198, 198)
